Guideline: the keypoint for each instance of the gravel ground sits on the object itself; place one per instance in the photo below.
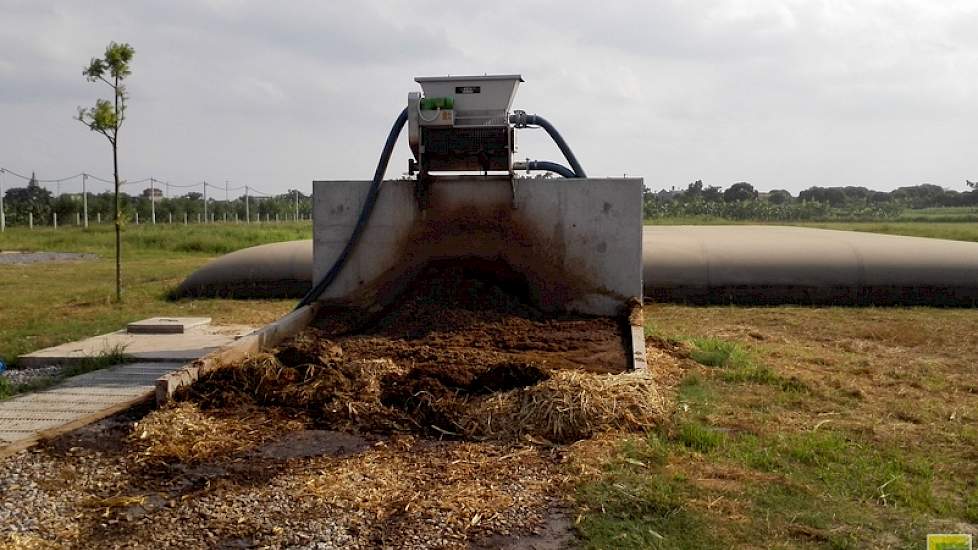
(96, 488)
(22, 376)
(10, 258)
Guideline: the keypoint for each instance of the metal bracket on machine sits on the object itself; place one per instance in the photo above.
(422, 191)
(512, 186)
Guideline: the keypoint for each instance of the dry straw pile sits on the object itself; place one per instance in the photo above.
(184, 432)
(570, 406)
(353, 394)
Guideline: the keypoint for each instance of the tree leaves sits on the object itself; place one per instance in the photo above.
(106, 116)
(117, 58)
(102, 118)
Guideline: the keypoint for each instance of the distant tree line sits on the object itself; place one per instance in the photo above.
(741, 201)
(21, 202)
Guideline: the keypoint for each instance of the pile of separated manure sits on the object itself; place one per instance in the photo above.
(460, 354)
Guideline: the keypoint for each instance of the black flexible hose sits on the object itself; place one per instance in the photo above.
(368, 207)
(521, 120)
(551, 167)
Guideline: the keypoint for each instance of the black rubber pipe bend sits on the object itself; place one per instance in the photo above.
(551, 167)
(368, 206)
(521, 120)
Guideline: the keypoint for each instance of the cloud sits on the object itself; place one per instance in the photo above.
(785, 94)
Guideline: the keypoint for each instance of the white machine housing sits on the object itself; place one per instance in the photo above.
(469, 130)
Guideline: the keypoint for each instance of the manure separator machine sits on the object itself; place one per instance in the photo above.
(569, 244)
(575, 242)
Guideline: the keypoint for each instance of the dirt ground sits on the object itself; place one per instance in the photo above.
(453, 316)
(397, 432)
(443, 361)
(860, 433)
(280, 486)
(16, 257)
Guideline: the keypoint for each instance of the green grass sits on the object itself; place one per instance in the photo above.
(940, 214)
(154, 241)
(971, 507)
(693, 390)
(818, 484)
(47, 304)
(842, 467)
(737, 363)
(957, 223)
(698, 437)
(714, 352)
(755, 456)
(637, 504)
(959, 231)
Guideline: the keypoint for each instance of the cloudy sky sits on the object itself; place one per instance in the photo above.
(783, 94)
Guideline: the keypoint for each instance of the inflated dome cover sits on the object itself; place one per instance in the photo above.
(276, 270)
(764, 264)
(700, 264)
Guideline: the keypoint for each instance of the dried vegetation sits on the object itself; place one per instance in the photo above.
(446, 422)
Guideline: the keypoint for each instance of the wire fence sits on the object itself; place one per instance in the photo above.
(82, 199)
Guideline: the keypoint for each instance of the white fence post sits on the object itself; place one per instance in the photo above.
(3, 216)
(85, 198)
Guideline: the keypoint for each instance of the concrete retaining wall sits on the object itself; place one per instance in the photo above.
(578, 241)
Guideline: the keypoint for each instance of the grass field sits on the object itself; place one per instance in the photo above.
(957, 231)
(950, 214)
(789, 427)
(50, 303)
(954, 223)
(799, 428)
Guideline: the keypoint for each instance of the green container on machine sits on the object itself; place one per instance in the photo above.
(437, 103)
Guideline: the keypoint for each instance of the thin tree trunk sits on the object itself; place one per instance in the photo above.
(118, 228)
(118, 219)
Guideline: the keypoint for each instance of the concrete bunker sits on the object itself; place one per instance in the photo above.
(461, 353)
(576, 241)
(479, 306)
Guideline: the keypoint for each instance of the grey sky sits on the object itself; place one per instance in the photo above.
(784, 94)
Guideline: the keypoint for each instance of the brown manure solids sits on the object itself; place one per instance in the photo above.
(461, 354)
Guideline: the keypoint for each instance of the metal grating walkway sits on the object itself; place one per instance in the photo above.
(77, 401)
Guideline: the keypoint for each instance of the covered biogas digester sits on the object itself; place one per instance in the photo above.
(576, 240)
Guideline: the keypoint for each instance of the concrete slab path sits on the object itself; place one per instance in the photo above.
(194, 343)
(76, 402)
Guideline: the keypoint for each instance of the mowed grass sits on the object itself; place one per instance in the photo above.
(955, 231)
(153, 241)
(958, 223)
(47, 304)
(798, 428)
(951, 230)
